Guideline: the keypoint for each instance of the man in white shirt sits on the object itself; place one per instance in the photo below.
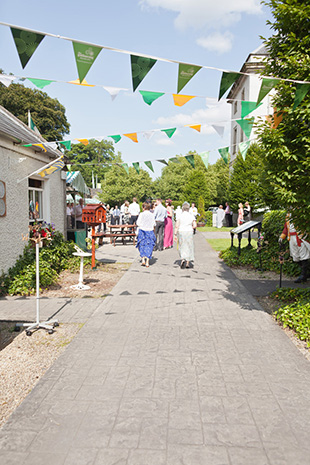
(160, 214)
(193, 210)
(78, 215)
(134, 210)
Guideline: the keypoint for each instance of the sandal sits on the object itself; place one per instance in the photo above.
(182, 264)
(143, 261)
(147, 264)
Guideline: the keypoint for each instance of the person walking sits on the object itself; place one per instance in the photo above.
(193, 210)
(184, 232)
(116, 215)
(160, 215)
(228, 215)
(247, 212)
(168, 233)
(240, 219)
(146, 239)
(126, 218)
(78, 214)
(134, 210)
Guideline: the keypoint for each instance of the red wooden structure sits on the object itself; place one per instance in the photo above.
(93, 215)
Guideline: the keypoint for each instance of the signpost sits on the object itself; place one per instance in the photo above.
(247, 226)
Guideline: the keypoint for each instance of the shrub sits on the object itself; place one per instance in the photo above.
(287, 294)
(296, 317)
(209, 218)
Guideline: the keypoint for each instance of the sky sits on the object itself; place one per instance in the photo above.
(218, 34)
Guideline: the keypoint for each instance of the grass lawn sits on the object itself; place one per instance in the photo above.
(212, 229)
(223, 244)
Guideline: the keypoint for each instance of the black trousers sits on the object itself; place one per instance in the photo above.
(133, 219)
(159, 233)
(228, 218)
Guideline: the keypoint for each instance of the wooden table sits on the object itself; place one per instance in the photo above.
(119, 231)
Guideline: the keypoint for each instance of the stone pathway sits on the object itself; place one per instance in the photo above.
(175, 367)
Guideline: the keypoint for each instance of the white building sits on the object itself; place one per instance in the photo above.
(247, 88)
(34, 198)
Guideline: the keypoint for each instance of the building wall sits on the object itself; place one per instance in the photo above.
(16, 163)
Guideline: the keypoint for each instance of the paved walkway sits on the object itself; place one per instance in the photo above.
(175, 367)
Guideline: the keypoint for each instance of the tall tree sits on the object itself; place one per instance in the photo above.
(93, 159)
(287, 146)
(47, 113)
(219, 173)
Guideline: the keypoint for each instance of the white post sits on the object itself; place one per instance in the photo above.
(38, 281)
(81, 272)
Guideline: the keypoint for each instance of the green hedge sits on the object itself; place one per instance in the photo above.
(208, 218)
(296, 317)
(55, 257)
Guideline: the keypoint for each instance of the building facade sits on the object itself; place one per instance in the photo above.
(24, 200)
(246, 88)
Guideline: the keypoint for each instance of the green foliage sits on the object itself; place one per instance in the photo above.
(296, 317)
(287, 147)
(201, 209)
(21, 278)
(209, 218)
(119, 186)
(197, 186)
(248, 181)
(272, 226)
(219, 173)
(287, 294)
(47, 113)
(91, 158)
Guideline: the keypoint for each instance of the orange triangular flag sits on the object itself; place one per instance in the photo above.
(197, 127)
(180, 100)
(83, 83)
(83, 141)
(274, 120)
(42, 146)
(132, 136)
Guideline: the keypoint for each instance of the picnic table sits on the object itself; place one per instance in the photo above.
(118, 231)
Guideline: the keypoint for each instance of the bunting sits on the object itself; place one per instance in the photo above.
(180, 100)
(266, 86)
(197, 127)
(58, 165)
(77, 82)
(150, 97)
(140, 66)
(113, 91)
(190, 159)
(136, 166)
(26, 43)
(227, 81)
(205, 158)
(116, 138)
(6, 80)
(243, 147)
(40, 83)
(125, 165)
(246, 125)
(219, 129)
(66, 144)
(301, 92)
(132, 136)
(224, 152)
(149, 165)
(169, 132)
(185, 74)
(85, 55)
(174, 160)
(83, 141)
(148, 134)
(248, 107)
(163, 162)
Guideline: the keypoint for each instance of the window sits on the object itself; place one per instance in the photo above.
(35, 199)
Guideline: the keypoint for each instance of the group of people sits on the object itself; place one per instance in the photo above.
(156, 225)
(74, 215)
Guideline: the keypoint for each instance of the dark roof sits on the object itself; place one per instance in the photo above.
(16, 130)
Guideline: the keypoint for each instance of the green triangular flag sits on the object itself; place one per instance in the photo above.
(185, 74)
(136, 166)
(116, 138)
(150, 97)
(26, 43)
(66, 144)
(140, 66)
(243, 147)
(40, 83)
(246, 125)
(85, 55)
(301, 91)
(205, 158)
(149, 165)
(248, 107)
(266, 86)
(224, 152)
(226, 82)
(174, 160)
(125, 165)
(169, 132)
(163, 162)
(190, 159)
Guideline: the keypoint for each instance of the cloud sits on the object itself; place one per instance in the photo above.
(165, 141)
(209, 14)
(217, 42)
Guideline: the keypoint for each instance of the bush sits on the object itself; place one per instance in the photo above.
(272, 226)
(55, 257)
(209, 218)
(287, 294)
(296, 317)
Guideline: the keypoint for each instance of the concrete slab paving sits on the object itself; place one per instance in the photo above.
(175, 367)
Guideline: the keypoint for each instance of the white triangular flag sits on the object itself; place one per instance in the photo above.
(52, 145)
(6, 79)
(219, 129)
(148, 134)
(113, 91)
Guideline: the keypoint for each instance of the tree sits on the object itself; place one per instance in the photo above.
(172, 180)
(119, 186)
(248, 181)
(199, 185)
(219, 173)
(47, 113)
(287, 146)
(92, 159)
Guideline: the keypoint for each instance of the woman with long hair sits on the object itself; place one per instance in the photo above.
(184, 232)
(146, 239)
(168, 235)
